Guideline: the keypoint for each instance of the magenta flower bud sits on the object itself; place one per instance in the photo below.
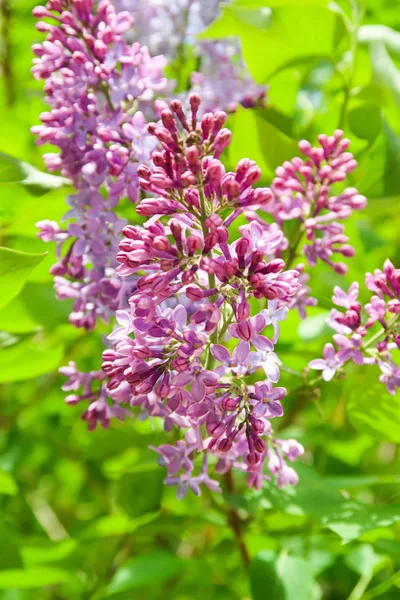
(304, 147)
(220, 118)
(40, 12)
(257, 425)
(347, 250)
(193, 155)
(340, 268)
(222, 140)
(144, 172)
(162, 390)
(242, 311)
(206, 124)
(192, 197)
(108, 355)
(188, 277)
(382, 346)
(252, 458)
(223, 235)
(242, 246)
(72, 399)
(176, 106)
(275, 266)
(253, 175)
(213, 221)
(187, 178)
(215, 173)
(259, 445)
(215, 429)
(193, 244)
(245, 330)
(212, 443)
(194, 293)
(210, 241)
(180, 364)
(194, 101)
(141, 352)
(158, 160)
(394, 306)
(230, 403)
(225, 445)
(231, 188)
(168, 120)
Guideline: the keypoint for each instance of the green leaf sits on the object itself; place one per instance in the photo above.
(16, 318)
(15, 267)
(372, 410)
(282, 578)
(32, 578)
(354, 519)
(381, 166)
(384, 70)
(8, 485)
(29, 358)
(47, 551)
(38, 183)
(364, 559)
(140, 493)
(366, 121)
(10, 169)
(259, 140)
(297, 577)
(116, 525)
(145, 572)
(264, 579)
(291, 33)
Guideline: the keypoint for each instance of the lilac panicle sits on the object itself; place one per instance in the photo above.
(303, 191)
(170, 26)
(171, 356)
(96, 86)
(368, 338)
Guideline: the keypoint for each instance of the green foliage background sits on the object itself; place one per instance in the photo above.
(85, 516)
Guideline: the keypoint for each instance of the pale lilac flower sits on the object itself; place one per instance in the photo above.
(328, 365)
(272, 315)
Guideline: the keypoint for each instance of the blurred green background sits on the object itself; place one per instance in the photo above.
(85, 515)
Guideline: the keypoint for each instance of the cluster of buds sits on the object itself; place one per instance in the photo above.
(368, 340)
(190, 310)
(303, 192)
(96, 86)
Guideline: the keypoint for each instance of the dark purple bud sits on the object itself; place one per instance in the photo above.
(253, 458)
(225, 445)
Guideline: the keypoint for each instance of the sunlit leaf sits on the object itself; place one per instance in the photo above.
(15, 268)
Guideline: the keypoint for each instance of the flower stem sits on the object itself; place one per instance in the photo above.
(236, 524)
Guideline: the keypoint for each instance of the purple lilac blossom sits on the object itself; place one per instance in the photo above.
(96, 86)
(174, 363)
(303, 191)
(170, 26)
(368, 340)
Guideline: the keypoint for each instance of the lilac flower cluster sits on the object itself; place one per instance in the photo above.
(368, 341)
(169, 27)
(190, 310)
(303, 192)
(96, 85)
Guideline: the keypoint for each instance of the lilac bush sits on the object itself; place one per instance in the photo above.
(197, 297)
